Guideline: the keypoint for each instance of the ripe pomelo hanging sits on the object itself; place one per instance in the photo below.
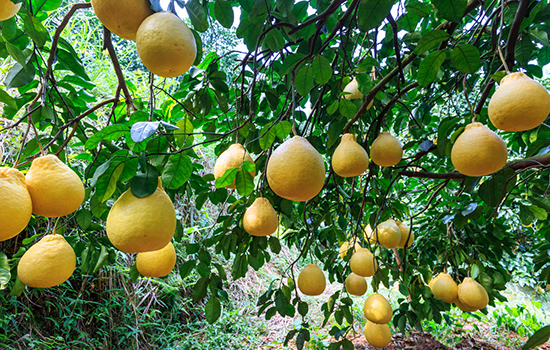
(377, 309)
(296, 170)
(386, 150)
(478, 151)
(363, 263)
(353, 92)
(136, 225)
(444, 288)
(311, 280)
(166, 45)
(55, 189)
(356, 285)
(50, 262)
(472, 294)
(157, 263)
(346, 246)
(378, 335)
(15, 203)
(387, 233)
(8, 9)
(122, 17)
(260, 219)
(520, 103)
(349, 158)
(232, 157)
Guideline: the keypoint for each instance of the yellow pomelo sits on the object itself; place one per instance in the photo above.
(48, 263)
(378, 335)
(367, 233)
(444, 288)
(363, 263)
(377, 309)
(260, 219)
(349, 158)
(346, 246)
(232, 157)
(386, 150)
(356, 285)
(463, 307)
(406, 235)
(311, 280)
(296, 170)
(55, 189)
(122, 17)
(157, 263)
(519, 104)
(15, 203)
(166, 45)
(145, 224)
(387, 234)
(353, 92)
(478, 151)
(472, 294)
(8, 9)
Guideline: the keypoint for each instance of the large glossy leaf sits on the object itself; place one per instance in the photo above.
(196, 13)
(372, 12)
(244, 182)
(145, 183)
(224, 13)
(451, 10)
(429, 67)
(109, 133)
(322, 71)
(19, 76)
(177, 171)
(304, 80)
(466, 58)
(538, 338)
(430, 40)
(213, 309)
(36, 30)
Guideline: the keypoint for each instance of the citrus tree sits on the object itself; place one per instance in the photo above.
(456, 174)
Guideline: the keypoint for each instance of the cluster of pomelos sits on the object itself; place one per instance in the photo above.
(519, 104)
(469, 296)
(50, 189)
(164, 42)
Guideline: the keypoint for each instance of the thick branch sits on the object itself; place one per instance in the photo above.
(514, 33)
(116, 65)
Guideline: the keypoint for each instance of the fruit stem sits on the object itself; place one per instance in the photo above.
(503, 60)
(55, 226)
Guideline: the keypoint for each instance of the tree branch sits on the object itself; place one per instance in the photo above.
(116, 65)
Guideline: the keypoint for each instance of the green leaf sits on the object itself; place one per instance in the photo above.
(213, 309)
(224, 13)
(539, 213)
(249, 166)
(372, 12)
(16, 54)
(418, 8)
(186, 268)
(538, 338)
(524, 50)
(451, 10)
(199, 290)
(109, 133)
(197, 15)
(366, 64)
(429, 67)
(281, 302)
(8, 100)
(304, 80)
(282, 129)
(274, 244)
(177, 171)
(289, 63)
(274, 40)
(466, 58)
(268, 137)
(19, 76)
(227, 178)
(106, 183)
(18, 288)
(244, 182)
(36, 30)
(84, 218)
(322, 71)
(333, 107)
(198, 43)
(347, 108)
(541, 202)
(429, 40)
(145, 184)
(68, 61)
